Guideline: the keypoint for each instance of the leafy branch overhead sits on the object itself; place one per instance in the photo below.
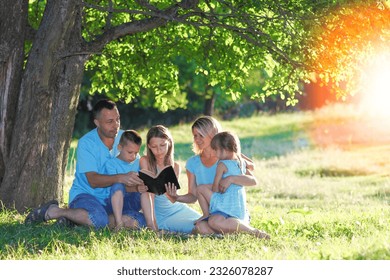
(134, 44)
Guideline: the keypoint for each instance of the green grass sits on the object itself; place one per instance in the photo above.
(318, 202)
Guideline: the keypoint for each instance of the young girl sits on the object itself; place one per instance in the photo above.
(128, 161)
(170, 215)
(225, 207)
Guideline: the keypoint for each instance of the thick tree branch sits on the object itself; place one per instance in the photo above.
(223, 18)
(156, 19)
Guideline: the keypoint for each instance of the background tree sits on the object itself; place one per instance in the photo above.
(130, 47)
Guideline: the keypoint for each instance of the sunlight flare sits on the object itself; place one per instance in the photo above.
(376, 86)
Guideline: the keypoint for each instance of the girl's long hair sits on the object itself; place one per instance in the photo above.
(159, 131)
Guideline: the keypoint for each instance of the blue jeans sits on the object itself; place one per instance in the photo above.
(131, 204)
(99, 213)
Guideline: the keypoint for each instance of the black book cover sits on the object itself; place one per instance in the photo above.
(157, 184)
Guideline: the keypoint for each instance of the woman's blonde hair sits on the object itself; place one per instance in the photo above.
(207, 126)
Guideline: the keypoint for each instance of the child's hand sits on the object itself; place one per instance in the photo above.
(171, 191)
(250, 166)
(224, 184)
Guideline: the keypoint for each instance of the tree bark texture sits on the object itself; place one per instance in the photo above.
(39, 96)
(13, 20)
(46, 110)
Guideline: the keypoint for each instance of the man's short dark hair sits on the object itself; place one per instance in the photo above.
(102, 104)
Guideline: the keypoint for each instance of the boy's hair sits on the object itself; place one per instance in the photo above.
(207, 126)
(102, 104)
(130, 136)
(227, 141)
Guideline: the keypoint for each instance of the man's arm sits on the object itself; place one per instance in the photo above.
(249, 162)
(130, 180)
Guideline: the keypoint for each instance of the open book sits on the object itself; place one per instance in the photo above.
(156, 184)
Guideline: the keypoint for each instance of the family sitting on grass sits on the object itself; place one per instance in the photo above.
(107, 190)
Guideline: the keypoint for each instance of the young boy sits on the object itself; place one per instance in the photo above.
(128, 161)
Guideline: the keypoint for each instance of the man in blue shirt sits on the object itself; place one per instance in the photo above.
(89, 196)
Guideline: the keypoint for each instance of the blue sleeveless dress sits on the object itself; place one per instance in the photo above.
(233, 201)
(174, 217)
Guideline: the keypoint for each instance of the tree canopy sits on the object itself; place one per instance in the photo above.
(225, 40)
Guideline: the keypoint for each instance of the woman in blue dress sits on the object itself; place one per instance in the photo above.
(171, 215)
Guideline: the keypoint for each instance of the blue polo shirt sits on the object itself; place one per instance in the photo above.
(92, 155)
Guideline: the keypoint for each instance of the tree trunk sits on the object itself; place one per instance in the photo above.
(209, 101)
(39, 101)
(46, 110)
(13, 20)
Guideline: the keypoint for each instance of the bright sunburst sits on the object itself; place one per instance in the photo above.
(376, 86)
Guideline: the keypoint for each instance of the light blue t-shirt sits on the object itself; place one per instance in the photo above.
(203, 174)
(92, 155)
(118, 166)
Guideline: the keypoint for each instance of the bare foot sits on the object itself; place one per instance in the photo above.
(152, 227)
(261, 234)
(119, 226)
(130, 223)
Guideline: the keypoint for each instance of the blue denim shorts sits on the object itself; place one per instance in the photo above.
(227, 216)
(221, 214)
(96, 211)
(99, 213)
(131, 204)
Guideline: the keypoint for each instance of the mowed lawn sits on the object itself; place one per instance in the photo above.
(323, 193)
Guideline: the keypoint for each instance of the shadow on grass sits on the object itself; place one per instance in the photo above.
(375, 254)
(17, 238)
(289, 196)
(382, 195)
(19, 241)
(331, 172)
(266, 146)
(274, 145)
